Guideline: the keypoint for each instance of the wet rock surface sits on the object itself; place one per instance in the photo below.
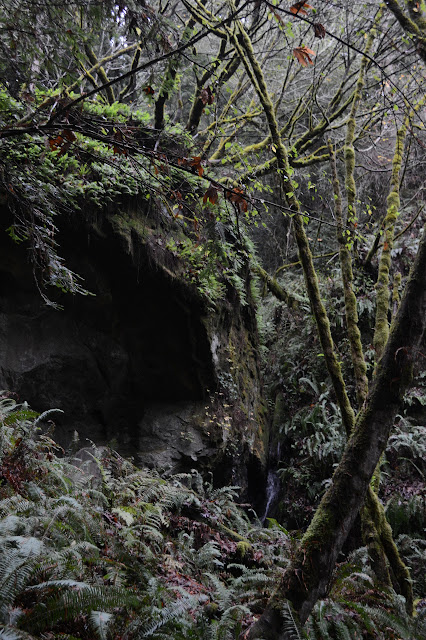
(141, 362)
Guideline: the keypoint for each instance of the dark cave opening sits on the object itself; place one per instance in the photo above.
(104, 358)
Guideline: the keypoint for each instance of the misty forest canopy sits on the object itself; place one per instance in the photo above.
(280, 148)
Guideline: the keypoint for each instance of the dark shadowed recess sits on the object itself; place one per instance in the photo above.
(103, 359)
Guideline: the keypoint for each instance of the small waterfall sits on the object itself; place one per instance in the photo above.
(272, 490)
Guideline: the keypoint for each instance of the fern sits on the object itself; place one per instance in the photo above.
(124, 553)
(208, 556)
(171, 612)
(17, 562)
(100, 621)
(291, 626)
(72, 601)
(222, 594)
(407, 516)
(12, 633)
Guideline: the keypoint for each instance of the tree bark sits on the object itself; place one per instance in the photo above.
(308, 576)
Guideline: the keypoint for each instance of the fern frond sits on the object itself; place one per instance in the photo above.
(381, 618)
(100, 622)
(70, 603)
(12, 633)
(174, 611)
(222, 593)
(15, 504)
(208, 556)
(15, 572)
(291, 625)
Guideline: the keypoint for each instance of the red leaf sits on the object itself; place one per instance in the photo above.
(62, 141)
(55, 143)
(68, 135)
(119, 149)
(278, 17)
(194, 162)
(299, 8)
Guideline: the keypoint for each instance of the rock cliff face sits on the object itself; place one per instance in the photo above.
(146, 361)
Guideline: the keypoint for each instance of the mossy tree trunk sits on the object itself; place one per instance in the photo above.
(101, 73)
(411, 18)
(169, 79)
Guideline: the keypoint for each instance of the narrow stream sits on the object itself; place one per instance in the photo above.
(272, 490)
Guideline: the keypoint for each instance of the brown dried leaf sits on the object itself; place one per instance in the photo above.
(196, 163)
(319, 30)
(211, 194)
(303, 55)
(299, 8)
(118, 148)
(68, 135)
(55, 143)
(62, 141)
(237, 196)
(277, 17)
(206, 95)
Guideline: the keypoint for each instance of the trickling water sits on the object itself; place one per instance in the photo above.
(278, 454)
(272, 489)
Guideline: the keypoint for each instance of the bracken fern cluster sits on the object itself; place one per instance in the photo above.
(93, 547)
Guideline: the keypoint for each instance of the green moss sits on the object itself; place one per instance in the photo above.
(354, 335)
(126, 224)
(244, 548)
(381, 332)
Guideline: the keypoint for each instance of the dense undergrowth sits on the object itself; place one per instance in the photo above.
(93, 547)
(49, 181)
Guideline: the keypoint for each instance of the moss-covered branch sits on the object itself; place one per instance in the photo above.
(381, 329)
(101, 73)
(225, 140)
(132, 81)
(399, 575)
(404, 20)
(297, 262)
(276, 289)
(204, 17)
(412, 21)
(243, 43)
(351, 125)
(354, 335)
